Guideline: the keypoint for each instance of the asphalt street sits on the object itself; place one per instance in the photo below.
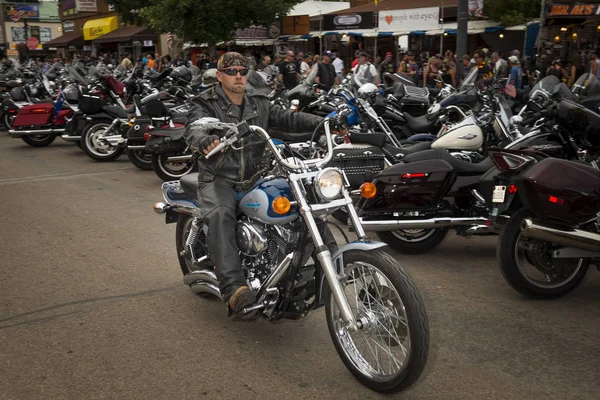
(92, 306)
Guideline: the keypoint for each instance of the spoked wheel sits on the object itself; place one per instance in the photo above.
(171, 170)
(140, 159)
(96, 146)
(413, 241)
(39, 140)
(528, 266)
(389, 352)
(9, 119)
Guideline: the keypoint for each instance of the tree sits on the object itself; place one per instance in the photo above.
(202, 21)
(512, 12)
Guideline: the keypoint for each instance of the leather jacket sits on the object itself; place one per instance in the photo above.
(241, 165)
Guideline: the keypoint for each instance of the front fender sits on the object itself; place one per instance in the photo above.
(338, 262)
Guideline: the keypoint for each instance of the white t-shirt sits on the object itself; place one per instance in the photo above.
(366, 73)
(338, 64)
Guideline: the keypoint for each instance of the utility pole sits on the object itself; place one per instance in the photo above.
(462, 33)
(3, 36)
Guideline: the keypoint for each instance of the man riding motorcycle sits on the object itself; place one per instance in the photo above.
(234, 171)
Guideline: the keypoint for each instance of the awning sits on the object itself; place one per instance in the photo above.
(95, 28)
(66, 40)
(128, 34)
(254, 42)
(523, 26)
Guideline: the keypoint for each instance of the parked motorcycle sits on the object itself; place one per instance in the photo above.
(370, 301)
(548, 210)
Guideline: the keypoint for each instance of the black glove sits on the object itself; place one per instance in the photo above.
(207, 141)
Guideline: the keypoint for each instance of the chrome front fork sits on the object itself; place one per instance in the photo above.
(324, 255)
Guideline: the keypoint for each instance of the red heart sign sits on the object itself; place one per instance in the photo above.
(389, 19)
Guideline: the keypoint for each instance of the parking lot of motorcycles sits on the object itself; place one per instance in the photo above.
(416, 164)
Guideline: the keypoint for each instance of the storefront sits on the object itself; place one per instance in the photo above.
(134, 40)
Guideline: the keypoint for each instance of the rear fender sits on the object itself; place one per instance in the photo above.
(338, 262)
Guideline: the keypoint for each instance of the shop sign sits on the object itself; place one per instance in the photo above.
(17, 34)
(148, 43)
(340, 22)
(295, 25)
(45, 34)
(253, 32)
(414, 19)
(580, 10)
(69, 7)
(12, 53)
(68, 26)
(29, 11)
(86, 6)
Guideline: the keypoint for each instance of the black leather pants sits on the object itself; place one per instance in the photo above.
(218, 201)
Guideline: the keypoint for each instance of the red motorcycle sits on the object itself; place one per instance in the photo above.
(39, 124)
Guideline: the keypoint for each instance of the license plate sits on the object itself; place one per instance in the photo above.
(499, 194)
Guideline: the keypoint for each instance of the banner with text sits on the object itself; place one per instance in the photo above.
(29, 11)
(572, 10)
(414, 19)
(476, 8)
(342, 22)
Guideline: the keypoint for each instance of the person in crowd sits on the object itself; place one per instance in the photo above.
(483, 67)
(264, 63)
(365, 71)
(449, 68)
(166, 62)
(326, 76)
(388, 65)
(466, 66)
(157, 62)
(576, 69)
(250, 60)
(299, 59)
(516, 73)
(594, 70)
(105, 59)
(288, 72)
(377, 62)
(213, 62)
(220, 177)
(431, 74)
(150, 61)
(557, 70)
(500, 68)
(305, 65)
(316, 59)
(126, 62)
(338, 64)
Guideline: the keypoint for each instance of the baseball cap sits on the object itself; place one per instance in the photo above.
(514, 59)
(466, 57)
(231, 59)
(389, 53)
(328, 54)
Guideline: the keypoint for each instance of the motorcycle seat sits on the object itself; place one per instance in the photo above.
(420, 124)
(179, 120)
(375, 139)
(173, 133)
(189, 183)
(461, 167)
(116, 111)
(43, 101)
(397, 154)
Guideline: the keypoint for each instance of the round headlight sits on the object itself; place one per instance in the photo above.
(329, 183)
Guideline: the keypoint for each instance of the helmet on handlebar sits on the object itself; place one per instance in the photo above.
(368, 91)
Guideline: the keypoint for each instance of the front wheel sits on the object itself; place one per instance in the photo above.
(39, 140)
(528, 266)
(171, 170)
(96, 146)
(389, 352)
(413, 241)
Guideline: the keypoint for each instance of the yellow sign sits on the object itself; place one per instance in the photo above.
(12, 53)
(13, 46)
(95, 28)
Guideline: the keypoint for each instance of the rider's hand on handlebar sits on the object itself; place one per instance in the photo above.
(342, 131)
(210, 143)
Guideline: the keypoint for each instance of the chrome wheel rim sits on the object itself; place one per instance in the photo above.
(95, 142)
(381, 348)
(142, 156)
(413, 235)
(539, 269)
(174, 169)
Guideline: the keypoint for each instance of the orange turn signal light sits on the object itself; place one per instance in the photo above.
(281, 205)
(368, 190)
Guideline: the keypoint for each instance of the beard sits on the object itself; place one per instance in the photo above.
(237, 87)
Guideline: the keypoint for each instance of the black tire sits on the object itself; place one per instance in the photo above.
(414, 311)
(162, 170)
(89, 144)
(39, 140)
(406, 242)
(509, 263)
(140, 159)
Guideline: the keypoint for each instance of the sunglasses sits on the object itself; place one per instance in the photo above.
(233, 71)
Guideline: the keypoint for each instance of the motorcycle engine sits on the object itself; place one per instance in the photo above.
(251, 238)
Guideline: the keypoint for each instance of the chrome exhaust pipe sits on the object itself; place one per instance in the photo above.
(575, 238)
(431, 223)
(17, 134)
(69, 138)
(179, 158)
(204, 275)
(204, 287)
(136, 147)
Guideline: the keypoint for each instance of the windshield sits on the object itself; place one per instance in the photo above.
(75, 76)
(258, 81)
(546, 84)
(310, 78)
(469, 81)
(587, 85)
(563, 92)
